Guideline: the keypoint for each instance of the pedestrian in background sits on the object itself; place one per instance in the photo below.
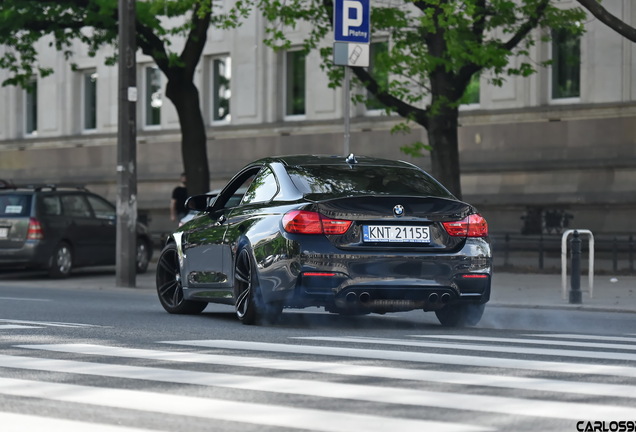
(177, 202)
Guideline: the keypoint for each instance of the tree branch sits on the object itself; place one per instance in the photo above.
(527, 27)
(151, 45)
(405, 110)
(608, 19)
(196, 40)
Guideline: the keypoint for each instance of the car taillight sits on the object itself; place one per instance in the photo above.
(307, 222)
(34, 232)
(472, 226)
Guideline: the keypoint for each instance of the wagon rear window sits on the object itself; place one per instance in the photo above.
(15, 205)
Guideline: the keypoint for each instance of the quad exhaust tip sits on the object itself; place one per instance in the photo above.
(365, 297)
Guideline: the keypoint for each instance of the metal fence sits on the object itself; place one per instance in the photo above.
(513, 251)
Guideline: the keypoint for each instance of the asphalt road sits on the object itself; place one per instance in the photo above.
(80, 356)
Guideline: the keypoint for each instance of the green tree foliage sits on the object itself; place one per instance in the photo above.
(94, 23)
(436, 47)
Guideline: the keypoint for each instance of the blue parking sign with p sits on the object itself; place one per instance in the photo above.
(352, 21)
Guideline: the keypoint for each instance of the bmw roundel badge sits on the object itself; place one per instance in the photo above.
(398, 210)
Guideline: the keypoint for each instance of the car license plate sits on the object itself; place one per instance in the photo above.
(4, 233)
(396, 234)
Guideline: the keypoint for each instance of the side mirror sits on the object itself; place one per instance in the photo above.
(197, 202)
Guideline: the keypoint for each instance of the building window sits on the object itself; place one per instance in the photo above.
(379, 70)
(295, 83)
(471, 94)
(90, 100)
(153, 96)
(221, 92)
(566, 64)
(31, 108)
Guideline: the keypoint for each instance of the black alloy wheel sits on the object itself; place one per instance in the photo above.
(250, 306)
(169, 287)
(460, 315)
(61, 261)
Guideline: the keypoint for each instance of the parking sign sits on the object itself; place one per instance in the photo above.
(352, 21)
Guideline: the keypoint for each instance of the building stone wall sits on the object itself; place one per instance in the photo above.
(520, 150)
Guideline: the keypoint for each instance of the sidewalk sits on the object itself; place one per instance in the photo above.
(610, 293)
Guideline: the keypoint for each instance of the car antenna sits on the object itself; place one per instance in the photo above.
(351, 159)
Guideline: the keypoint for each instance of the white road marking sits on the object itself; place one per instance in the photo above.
(378, 394)
(586, 337)
(458, 378)
(21, 422)
(24, 299)
(562, 343)
(484, 348)
(419, 357)
(260, 414)
(15, 327)
(51, 323)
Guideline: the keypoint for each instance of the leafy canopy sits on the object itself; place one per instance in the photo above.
(458, 38)
(94, 23)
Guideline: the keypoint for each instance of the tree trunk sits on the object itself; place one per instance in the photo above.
(442, 137)
(185, 97)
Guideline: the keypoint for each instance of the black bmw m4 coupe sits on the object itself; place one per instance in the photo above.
(354, 235)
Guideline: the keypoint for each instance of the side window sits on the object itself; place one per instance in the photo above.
(75, 205)
(51, 205)
(101, 208)
(262, 189)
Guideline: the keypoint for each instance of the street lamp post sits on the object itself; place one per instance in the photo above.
(126, 148)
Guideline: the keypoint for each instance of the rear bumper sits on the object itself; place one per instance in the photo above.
(383, 283)
(32, 254)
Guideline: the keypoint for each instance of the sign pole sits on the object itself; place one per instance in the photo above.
(352, 35)
(347, 110)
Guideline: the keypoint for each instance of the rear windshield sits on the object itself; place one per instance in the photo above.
(365, 180)
(15, 205)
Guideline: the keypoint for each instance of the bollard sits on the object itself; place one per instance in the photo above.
(575, 285)
(615, 255)
(541, 252)
(631, 253)
(506, 247)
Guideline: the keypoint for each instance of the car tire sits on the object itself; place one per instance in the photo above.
(169, 288)
(460, 315)
(61, 261)
(142, 256)
(250, 306)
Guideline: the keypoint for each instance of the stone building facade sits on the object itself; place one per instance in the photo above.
(537, 153)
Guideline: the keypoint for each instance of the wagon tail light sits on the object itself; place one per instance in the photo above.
(34, 231)
(472, 226)
(307, 222)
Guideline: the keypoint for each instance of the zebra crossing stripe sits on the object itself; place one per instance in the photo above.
(368, 393)
(416, 357)
(597, 355)
(12, 422)
(219, 409)
(586, 337)
(50, 324)
(16, 327)
(605, 346)
(457, 378)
